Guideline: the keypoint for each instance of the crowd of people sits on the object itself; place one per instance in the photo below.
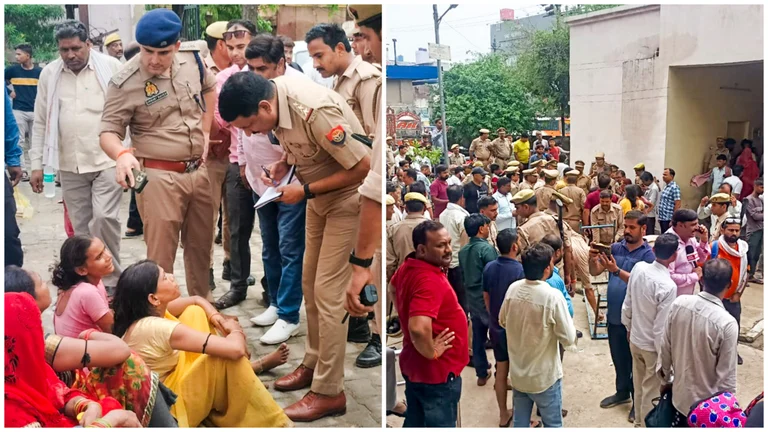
(485, 253)
(223, 129)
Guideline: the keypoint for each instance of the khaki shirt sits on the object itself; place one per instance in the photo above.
(598, 216)
(501, 148)
(400, 241)
(536, 227)
(594, 170)
(164, 116)
(543, 197)
(360, 86)
(573, 211)
(525, 185)
(514, 188)
(584, 183)
(457, 159)
(315, 127)
(481, 149)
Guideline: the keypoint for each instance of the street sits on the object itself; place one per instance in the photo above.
(43, 234)
(588, 376)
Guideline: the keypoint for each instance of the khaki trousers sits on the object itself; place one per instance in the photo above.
(173, 203)
(217, 172)
(331, 232)
(645, 381)
(93, 204)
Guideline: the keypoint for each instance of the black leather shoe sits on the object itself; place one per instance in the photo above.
(616, 399)
(211, 282)
(359, 331)
(264, 300)
(229, 299)
(226, 273)
(371, 355)
(251, 280)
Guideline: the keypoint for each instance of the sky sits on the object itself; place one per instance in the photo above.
(465, 28)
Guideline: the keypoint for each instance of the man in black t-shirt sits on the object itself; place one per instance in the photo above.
(23, 77)
(475, 189)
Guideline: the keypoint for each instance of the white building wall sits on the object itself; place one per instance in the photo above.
(108, 17)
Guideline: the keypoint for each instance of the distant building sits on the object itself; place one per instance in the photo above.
(659, 83)
(510, 36)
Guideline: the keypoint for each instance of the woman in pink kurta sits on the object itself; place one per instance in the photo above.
(751, 170)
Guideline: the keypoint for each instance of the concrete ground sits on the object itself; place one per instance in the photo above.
(588, 376)
(43, 233)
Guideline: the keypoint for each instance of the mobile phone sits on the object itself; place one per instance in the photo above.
(140, 178)
(603, 248)
(368, 296)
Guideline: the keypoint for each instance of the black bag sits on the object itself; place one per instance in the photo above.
(663, 412)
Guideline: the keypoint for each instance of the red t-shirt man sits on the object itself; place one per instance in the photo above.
(423, 290)
(439, 189)
(593, 199)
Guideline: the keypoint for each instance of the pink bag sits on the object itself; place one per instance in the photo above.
(67, 223)
(719, 411)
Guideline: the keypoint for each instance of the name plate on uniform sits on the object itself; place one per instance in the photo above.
(152, 93)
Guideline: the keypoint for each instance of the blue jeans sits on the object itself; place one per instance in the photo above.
(480, 327)
(549, 402)
(432, 405)
(282, 236)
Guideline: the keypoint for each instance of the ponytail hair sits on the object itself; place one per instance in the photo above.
(73, 255)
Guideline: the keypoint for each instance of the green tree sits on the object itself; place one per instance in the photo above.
(483, 94)
(220, 12)
(32, 24)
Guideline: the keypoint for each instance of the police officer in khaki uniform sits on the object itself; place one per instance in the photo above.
(583, 181)
(456, 158)
(480, 148)
(358, 82)
(501, 147)
(544, 193)
(399, 235)
(314, 125)
(599, 166)
(573, 213)
(530, 179)
(167, 98)
(607, 213)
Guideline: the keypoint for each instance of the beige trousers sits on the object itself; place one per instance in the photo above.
(645, 381)
(174, 203)
(331, 232)
(217, 172)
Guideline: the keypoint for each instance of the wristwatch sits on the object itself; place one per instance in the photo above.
(307, 193)
(364, 263)
(616, 273)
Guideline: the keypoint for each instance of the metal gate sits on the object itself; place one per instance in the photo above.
(190, 19)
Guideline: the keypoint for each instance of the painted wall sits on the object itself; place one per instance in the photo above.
(699, 110)
(106, 18)
(399, 93)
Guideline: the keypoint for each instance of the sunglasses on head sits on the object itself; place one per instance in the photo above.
(237, 34)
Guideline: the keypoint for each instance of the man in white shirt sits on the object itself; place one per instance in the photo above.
(650, 293)
(540, 140)
(70, 100)
(735, 181)
(455, 179)
(652, 194)
(506, 218)
(535, 369)
(719, 172)
(452, 219)
(281, 225)
(698, 348)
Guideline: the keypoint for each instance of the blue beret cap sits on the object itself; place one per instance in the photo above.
(158, 28)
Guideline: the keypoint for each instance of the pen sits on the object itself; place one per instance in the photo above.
(269, 176)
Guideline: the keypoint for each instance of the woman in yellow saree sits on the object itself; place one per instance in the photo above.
(177, 337)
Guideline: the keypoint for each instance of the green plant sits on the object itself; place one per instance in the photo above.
(33, 24)
(433, 154)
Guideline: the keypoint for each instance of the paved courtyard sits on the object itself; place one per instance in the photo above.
(43, 234)
(588, 375)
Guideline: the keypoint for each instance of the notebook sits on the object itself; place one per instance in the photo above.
(271, 194)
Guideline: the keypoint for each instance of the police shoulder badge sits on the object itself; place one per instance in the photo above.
(337, 135)
(152, 93)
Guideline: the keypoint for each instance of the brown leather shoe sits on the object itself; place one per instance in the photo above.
(315, 406)
(296, 380)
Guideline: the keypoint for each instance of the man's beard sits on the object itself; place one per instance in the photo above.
(731, 239)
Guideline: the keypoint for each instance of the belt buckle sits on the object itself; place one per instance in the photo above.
(191, 166)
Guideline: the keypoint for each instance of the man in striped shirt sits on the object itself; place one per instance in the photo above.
(669, 201)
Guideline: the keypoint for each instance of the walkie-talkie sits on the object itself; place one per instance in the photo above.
(368, 297)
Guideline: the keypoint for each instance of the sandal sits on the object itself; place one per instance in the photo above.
(397, 414)
(229, 299)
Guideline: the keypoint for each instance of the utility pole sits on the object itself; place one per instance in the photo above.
(440, 78)
(394, 43)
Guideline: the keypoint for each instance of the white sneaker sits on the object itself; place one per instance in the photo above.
(267, 318)
(279, 333)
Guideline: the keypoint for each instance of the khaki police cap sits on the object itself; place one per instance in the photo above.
(216, 30)
(511, 170)
(640, 166)
(600, 155)
(455, 146)
(550, 174)
(478, 164)
(529, 171)
(390, 200)
(558, 196)
(552, 162)
(580, 163)
(364, 13)
(501, 129)
(514, 163)
(415, 196)
(523, 196)
(534, 164)
(720, 198)
(484, 131)
(112, 38)
(572, 172)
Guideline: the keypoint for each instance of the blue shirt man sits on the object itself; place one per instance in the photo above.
(497, 277)
(557, 282)
(12, 149)
(617, 288)
(13, 252)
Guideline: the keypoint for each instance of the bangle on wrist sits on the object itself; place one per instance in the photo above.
(124, 151)
(100, 423)
(213, 315)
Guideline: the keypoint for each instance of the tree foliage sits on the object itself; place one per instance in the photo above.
(220, 12)
(32, 24)
(483, 94)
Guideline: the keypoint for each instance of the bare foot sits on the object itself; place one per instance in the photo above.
(273, 360)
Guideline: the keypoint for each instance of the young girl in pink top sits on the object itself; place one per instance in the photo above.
(82, 299)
